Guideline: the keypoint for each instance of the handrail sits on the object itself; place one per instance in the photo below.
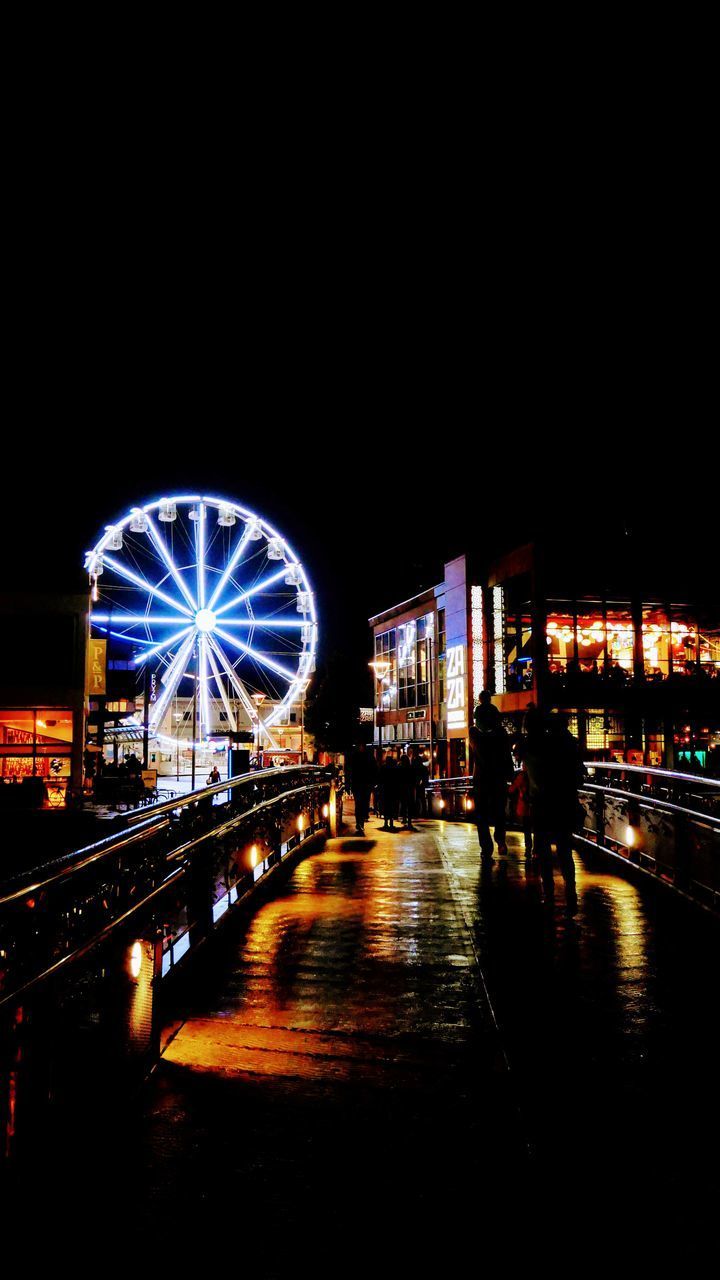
(697, 778)
(191, 797)
(173, 855)
(139, 825)
(652, 802)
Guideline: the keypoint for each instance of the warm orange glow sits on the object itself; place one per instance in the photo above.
(631, 836)
(253, 856)
(135, 959)
(300, 822)
(326, 811)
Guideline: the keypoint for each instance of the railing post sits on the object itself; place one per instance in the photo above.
(600, 817)
(333, 807)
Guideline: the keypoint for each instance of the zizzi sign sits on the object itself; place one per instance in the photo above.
(456, 687)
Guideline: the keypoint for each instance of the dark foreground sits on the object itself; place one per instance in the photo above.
(404, 1060)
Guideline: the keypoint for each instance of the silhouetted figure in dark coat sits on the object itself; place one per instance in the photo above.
(406, 790)
(492, 771)
(554, 766)
(361, 782)
(389, 791)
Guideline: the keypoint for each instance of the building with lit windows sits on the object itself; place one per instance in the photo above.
(42, 689)
(637, 671)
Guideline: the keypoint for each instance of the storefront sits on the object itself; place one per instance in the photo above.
(42, 687)
(37, 742)
(639, 680)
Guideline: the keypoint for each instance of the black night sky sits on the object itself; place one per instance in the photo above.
(373, 500)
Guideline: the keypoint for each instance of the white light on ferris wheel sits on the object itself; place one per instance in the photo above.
(171, 601)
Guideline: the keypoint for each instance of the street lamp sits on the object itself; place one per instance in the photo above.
(381, 667)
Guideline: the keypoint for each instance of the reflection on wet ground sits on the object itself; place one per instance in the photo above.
(403, 1049)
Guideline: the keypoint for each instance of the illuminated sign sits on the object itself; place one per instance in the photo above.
(417, 715)
(96, 665)
(456, 690)
(476, 599)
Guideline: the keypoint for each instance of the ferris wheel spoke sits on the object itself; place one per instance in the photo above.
(241, 691)
(266, 623)
(144, 585)
(165, 644)
(252, 591)
(161, 546)
(138, 619)
(200, 554)
(221, 687)
(231, 565)
(205, 720)
(259, 657)
(171, 680)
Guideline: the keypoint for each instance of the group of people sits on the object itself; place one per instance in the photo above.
(544, 788)
(396, 782)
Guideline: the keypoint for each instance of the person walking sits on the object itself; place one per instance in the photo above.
(492, 771)
(406, 790)
(520, 797)
(418, 772)
(555, 771)
(389, 791)
(360, 783)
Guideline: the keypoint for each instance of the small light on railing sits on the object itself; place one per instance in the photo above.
(254, 856)
(300, 823)
(631, 836)
(326, 811)
(135, 959)
(441, 804)
(468, 804)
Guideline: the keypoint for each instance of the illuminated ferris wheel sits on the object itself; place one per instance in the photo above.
(214, 603)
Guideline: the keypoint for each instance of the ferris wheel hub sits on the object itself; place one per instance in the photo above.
(205, 620)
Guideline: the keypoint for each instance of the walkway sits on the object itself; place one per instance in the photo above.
(404, 1059)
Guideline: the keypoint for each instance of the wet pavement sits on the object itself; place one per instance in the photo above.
(404, 1055)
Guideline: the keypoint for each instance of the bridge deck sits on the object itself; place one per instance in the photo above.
(402, 1041)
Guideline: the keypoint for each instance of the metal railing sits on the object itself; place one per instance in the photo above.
(169, 875)
(660, 821)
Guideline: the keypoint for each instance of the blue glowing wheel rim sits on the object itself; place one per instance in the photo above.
(207, 595)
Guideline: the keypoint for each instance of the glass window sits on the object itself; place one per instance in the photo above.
(560, 636)
(37, 743)
(684, 634)
(709, 647)
(620, 644)
(592, 635)
(656, 642)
